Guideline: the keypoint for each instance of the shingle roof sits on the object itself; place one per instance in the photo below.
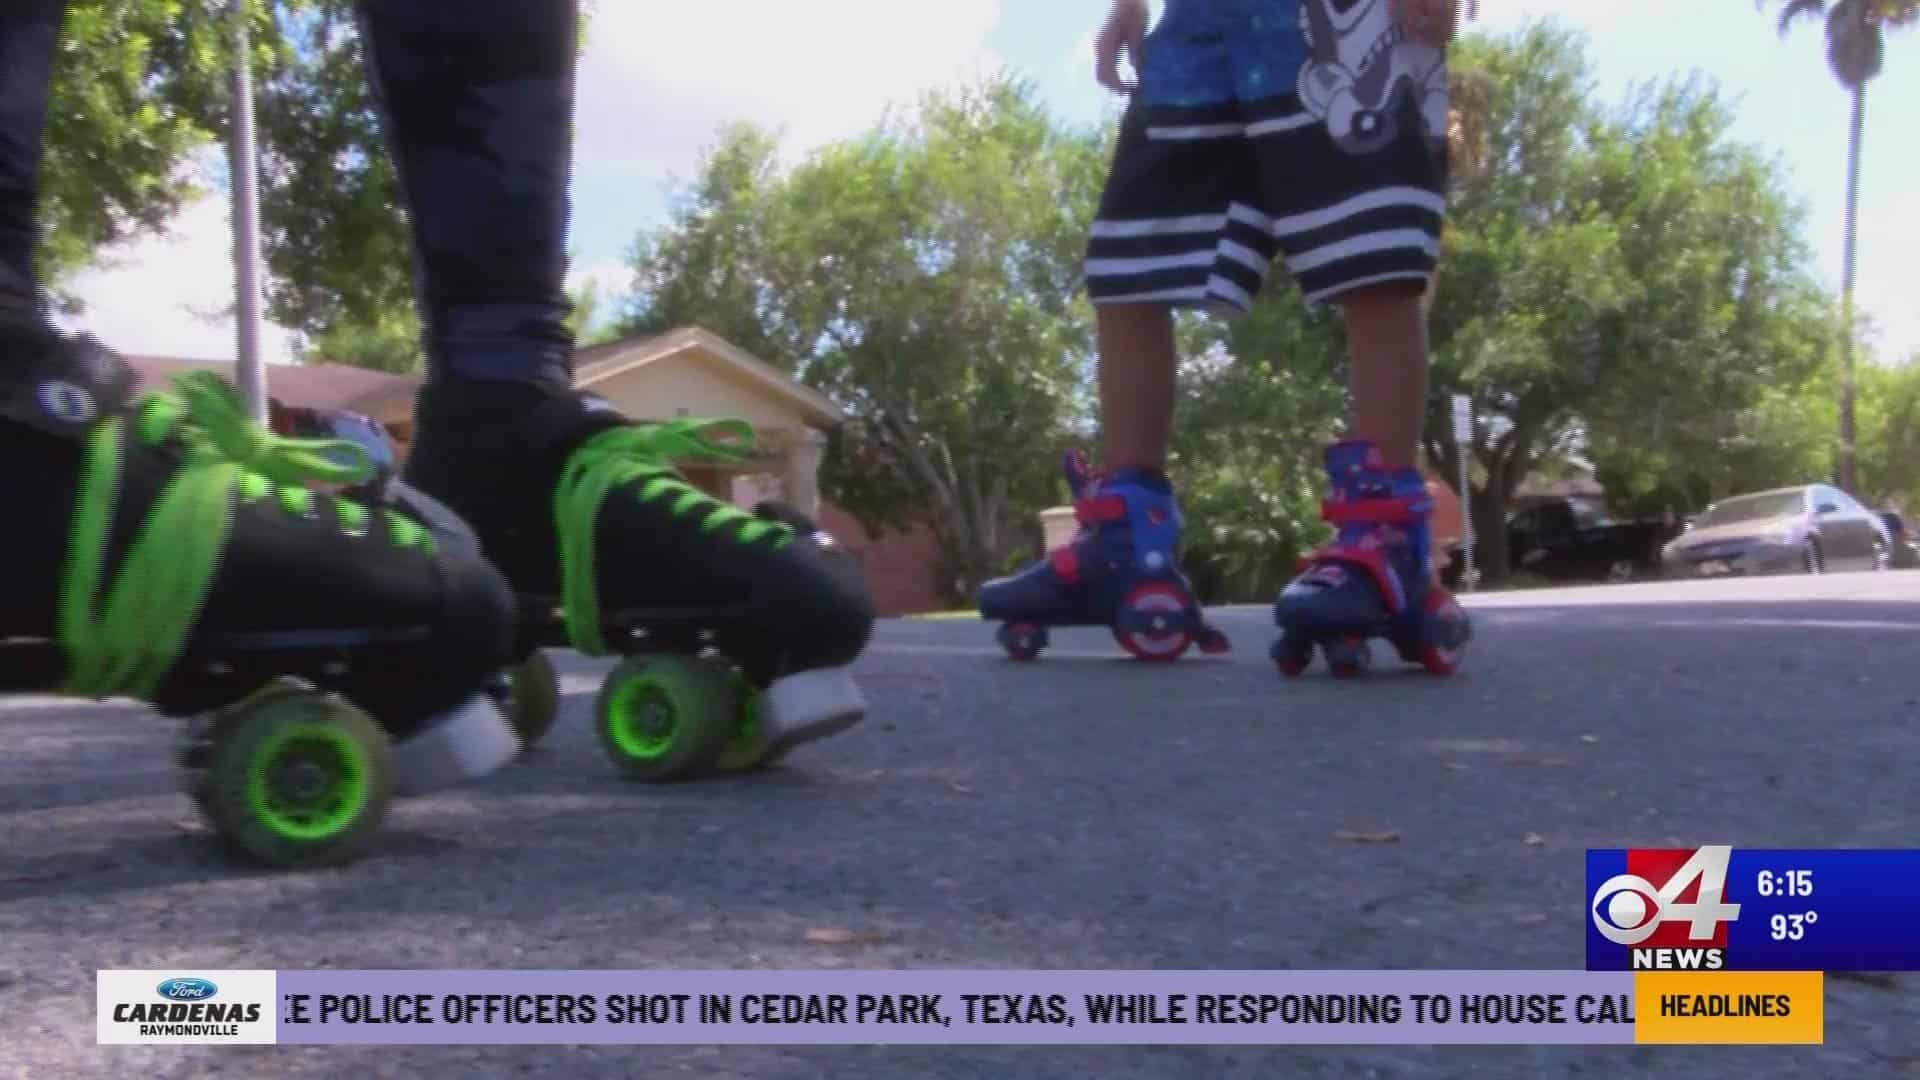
(313, 386)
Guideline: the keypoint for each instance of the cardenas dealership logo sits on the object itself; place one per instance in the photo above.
(186, 1007)
(144, 1006)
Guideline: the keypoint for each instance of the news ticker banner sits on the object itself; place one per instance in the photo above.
(959, 1008)
(1753, 909)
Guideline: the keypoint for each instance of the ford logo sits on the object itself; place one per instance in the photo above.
(187, 989)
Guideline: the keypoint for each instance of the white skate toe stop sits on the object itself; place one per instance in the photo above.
(464, 743)
(808, 706)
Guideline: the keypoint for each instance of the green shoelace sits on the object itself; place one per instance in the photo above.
(642, 453)
(124, 643)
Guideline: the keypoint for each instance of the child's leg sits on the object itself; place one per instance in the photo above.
(1387, 376)
(1355, 167)
(1137, 365)
(1179, 226)
(1387, 370)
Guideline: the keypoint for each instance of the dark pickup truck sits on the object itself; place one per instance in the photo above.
(1571, 538)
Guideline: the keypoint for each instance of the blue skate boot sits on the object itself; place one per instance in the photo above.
(1118, 571)
(1374, 580)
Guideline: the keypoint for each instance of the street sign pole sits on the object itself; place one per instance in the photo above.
(1462, 442)
(243, 170)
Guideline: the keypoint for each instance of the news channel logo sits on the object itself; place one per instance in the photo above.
(1665, 910)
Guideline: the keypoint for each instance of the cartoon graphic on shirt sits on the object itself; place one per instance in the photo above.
(1361, 70)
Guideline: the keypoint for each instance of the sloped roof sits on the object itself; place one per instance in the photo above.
(389, 398)
(604, 362)
(320, 386)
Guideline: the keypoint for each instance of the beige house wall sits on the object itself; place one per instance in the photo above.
(688, 384)
(692, 384)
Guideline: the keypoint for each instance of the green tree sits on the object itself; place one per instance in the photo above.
(925, 277)
(339, 258)
(710, 263)
(1623, 276)
(1890, 433)
(390, 341)
(1856, 47)
(133, 81)
(339, 261)
(1254, 415)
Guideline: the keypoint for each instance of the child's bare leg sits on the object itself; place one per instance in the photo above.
(1137, 365)
(1387, 369)
(1387, 374)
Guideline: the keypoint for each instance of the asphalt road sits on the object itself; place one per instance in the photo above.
(1085, 811)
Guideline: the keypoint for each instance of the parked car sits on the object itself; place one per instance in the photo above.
(1810, 529)
(306, 423)
(1906, 543)
(1571, 538)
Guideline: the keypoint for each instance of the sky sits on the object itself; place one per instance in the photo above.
(657, 80)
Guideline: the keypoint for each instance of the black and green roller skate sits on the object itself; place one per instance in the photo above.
(736, 630)
(164, 550)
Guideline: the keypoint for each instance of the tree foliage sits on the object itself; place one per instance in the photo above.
(925, 278)
(338, 257)
(133, 84)
(1624, 276)
(1890, 433)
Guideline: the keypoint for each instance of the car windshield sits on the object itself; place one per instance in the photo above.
(1753, 508)
(1588, 515)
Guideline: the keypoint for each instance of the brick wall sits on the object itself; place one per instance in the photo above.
(899, 566)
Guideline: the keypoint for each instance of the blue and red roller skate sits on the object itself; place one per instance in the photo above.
(1374, 580)
(1119, 571)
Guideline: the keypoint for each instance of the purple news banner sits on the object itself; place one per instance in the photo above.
(954, 1007)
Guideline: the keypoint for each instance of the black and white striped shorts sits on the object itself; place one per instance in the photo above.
(1201, 201)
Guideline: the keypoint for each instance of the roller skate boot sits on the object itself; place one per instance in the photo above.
(736, 630)
(1118, 571)
(1375, 579)
(327, 656)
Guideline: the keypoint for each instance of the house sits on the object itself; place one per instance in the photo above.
(687, 372)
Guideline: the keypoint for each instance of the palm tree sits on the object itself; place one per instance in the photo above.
(1856, 43)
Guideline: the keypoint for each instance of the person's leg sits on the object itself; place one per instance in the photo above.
(1387, 377)
(191, 581)
(1138, 363)
(28, 31)
(581, 507)
(478, 101)
(1387, 370)
(1177, 228)
(1357, 171)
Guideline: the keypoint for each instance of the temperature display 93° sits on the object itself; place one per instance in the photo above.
(1720, 908)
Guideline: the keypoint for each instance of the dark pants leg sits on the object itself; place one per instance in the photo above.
(478, 99)
(28, 32)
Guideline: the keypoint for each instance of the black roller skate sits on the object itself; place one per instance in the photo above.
(1374, 580)
(1119, 571)
(328, 656)
(737, 630)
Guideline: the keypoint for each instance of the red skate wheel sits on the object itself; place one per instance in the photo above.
(1349, 658)
(1293, 654)
(1022, 640)
(1436, 658)
(1161, 608)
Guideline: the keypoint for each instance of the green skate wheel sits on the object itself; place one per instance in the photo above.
(533, 698)
(666, 717)
(748, 748)
(296, 780)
